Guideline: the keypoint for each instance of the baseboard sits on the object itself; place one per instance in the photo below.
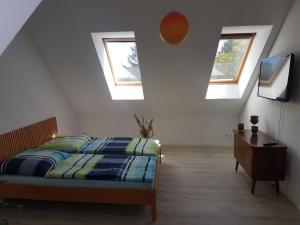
(297, 206)
(200, 147)
(283, 191)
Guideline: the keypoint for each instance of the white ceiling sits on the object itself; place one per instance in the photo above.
(174, 79)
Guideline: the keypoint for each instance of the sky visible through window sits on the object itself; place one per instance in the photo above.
(124, 61)
(229, 58)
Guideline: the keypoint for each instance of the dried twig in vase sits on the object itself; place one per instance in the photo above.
(146, 128)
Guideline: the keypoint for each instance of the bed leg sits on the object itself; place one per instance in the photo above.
(153, 207)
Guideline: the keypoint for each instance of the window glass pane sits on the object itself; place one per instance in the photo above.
(229, 57)
(124, 61)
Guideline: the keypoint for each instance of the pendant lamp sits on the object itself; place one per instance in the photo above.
(174, 28)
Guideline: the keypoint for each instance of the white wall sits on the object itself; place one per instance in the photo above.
(191, 130)
(27, 91)
(287, 41)
(13, 14)
(175, 78)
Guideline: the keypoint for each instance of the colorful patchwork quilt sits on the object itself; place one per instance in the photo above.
(120, 145)
(106, 167)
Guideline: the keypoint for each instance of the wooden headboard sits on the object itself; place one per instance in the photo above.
(31, 136)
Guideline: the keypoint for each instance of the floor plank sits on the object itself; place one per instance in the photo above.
(196, 186)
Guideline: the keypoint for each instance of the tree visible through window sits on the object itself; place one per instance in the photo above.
(133, 63)
(230, 57)
(123, 59)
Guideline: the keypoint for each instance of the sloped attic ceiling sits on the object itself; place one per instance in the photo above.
(175, 79)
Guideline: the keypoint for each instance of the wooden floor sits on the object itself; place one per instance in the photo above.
(196, 186)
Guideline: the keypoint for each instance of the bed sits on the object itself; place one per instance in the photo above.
(70, 190)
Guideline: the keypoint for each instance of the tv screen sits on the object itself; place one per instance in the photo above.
(274, 77)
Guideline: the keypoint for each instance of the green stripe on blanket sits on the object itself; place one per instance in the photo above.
(75, 166)
(142, 146)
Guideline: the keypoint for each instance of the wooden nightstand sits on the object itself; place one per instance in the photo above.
(261, 162)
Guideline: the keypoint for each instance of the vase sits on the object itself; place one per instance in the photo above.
(254, 119)
(254, 130)
(240, 126)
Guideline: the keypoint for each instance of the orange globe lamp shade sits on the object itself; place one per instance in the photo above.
(174, 28)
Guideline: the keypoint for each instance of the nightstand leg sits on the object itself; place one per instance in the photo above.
(236, 166)
(253, 186)
(277, 186)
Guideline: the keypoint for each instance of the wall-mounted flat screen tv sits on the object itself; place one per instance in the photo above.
(274, 77)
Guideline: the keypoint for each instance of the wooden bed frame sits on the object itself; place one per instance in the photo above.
(36, 134)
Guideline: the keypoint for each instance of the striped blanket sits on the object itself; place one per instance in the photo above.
(120, 145)
(106, 167)
(33, 162)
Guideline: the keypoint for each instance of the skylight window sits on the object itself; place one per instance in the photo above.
(123, 60)
(238, 54)
(118, 56)
(230, 58)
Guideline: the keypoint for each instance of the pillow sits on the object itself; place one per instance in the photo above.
(66, 143)
(32, 162)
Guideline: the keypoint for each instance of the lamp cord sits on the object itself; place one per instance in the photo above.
(279, 124)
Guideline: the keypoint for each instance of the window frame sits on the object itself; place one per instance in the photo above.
(250, 36)
(121, 39)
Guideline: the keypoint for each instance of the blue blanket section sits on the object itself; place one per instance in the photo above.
(106, 145)
(110, 167)
(124, 168)
(32, 162)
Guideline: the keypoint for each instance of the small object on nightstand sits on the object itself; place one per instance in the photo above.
(254, 121)
(240, 126)
(254, 130)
